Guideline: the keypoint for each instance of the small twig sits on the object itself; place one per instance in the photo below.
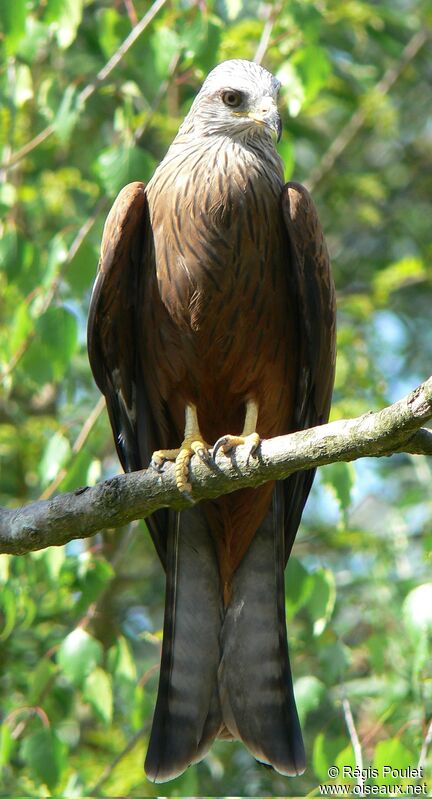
(95, 790)
(121, 51)
(267, 32)
(139, 132)
(83, 233)
(132, 14)
(149, 673)
(76, 447)
(91, 87)
(30, 712)
(341, 142)
(355, 743)
(29, 147)
(425, 745)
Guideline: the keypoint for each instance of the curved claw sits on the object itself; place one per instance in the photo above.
(228, 442)
(254, 446)
(157, 465)
(220, 444)
(203, 455)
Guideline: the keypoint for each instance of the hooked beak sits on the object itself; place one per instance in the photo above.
(275, 123)
(268, 115)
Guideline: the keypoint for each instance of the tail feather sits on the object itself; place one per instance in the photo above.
(226, 672)
(187, 715)
(255, 683)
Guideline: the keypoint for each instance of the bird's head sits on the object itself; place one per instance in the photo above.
(237, 99)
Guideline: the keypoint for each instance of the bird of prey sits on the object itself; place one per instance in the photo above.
(212, 322)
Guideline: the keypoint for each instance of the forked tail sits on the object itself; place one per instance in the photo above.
(227, 671)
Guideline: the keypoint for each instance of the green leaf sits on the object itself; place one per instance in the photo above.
(55, 455)
(93, 581)
(393, 753)
(309, 693)
(325, 753)
(5, 561)
(48, 356)
(335, 658)
(40, 678)
(313, 66)
(22, 324)
(57, 253)
(78, 655)
(340, 479)
(65, 16)
(417, 617)
(298, 586)
(322, 599)
(377, 646)
(97, 691)
(6, 745)
(82, 269)
(292, 89)
(8, 606)
(53, 558)
(200, 38)
(45, 756)
(121, 661)
(396, 276)
(119, 165)
(67, 114)
(23, 85)
(8, 198)
(77, 471)
(12, 23)
(35, 41)
(164, 44)
(286, 151)
(346, 758)
(112, 28)
(417, 611)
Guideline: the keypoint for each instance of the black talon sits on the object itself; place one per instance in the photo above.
(219, 444)
(158, 467)
(252, 452)
(203, 455)
(187, 495)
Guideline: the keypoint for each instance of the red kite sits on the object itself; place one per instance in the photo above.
(212, 319)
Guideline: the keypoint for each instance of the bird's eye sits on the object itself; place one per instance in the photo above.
(232, 98)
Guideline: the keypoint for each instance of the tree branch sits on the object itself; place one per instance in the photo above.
(134, 496)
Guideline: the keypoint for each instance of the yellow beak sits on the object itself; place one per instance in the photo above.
(268, 114)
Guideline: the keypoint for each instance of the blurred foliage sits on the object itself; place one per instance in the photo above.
(80, 626)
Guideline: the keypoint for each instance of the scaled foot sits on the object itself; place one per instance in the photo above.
(192, 445)
(228, 442)
(249, 437)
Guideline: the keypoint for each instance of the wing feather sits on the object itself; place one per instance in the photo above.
(114, 336)
(310, 266)
(111, 333)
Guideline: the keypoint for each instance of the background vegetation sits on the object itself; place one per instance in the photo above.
(80, 626)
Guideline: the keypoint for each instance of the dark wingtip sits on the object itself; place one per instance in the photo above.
(157, 772)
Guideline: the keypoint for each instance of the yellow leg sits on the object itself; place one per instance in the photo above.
(193, 444)
(248, 437)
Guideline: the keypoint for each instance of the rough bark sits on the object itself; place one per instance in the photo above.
(115, 502)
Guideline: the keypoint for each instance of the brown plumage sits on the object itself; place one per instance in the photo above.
(214, 292)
